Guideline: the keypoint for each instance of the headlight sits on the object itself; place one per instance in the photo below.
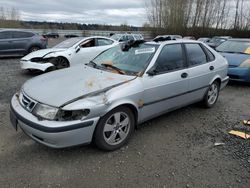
(245, 64)
(41, 60)
(64, 115)
(51, 113)
(45, 111)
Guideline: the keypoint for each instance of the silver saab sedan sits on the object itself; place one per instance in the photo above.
(103, 100)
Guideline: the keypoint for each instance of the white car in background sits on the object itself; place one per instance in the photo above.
(127, 37)
(67, 53)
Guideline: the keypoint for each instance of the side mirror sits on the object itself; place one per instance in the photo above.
(152, 72)
(78, 48)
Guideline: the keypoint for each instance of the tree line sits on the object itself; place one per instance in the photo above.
(199, 17)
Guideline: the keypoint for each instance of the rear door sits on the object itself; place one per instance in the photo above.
(5, 42)
(201, 69)
(167, 89)
(21, 41)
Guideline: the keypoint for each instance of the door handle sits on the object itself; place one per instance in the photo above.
(184, 75)
(211, 68)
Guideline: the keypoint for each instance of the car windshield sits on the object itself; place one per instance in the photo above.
(133, 61)
(68, 43)
(235, 47)
(116, 37)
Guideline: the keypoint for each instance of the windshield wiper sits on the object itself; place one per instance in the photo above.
(92, 63)
(113, 67)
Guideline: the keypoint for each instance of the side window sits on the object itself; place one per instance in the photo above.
(123, 38)
(195, 54)
(88, 43)
(104, 42)
(130, 37)
(170, 58)
(21, 34)
(5, 35)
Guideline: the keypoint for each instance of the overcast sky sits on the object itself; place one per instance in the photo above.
(113, 12)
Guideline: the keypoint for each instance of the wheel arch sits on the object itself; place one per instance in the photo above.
(216, 78)
(127, 104)
(61, 56)
(31, 46)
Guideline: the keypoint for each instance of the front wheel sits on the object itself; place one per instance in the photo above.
(212, 95)
(114, 129)
(61, 63)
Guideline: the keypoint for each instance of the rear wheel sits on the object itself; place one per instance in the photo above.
(212, 95)
(34, 48)
(114, 129)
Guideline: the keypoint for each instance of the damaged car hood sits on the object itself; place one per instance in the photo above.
(60, 87)
(42, 53)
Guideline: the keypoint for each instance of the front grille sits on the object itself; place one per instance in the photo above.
(27, 102)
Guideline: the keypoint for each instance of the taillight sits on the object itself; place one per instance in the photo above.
(43, 39)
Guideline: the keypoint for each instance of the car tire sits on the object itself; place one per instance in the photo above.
(61, 63)
(114, 129)
(34, 48)
(211, 95)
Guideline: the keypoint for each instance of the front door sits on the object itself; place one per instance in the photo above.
(167, 89)
(90, 48)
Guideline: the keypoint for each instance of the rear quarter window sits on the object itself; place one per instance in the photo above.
(210, 55)
(104, 42)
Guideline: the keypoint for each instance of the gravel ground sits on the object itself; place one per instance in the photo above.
(174, 150)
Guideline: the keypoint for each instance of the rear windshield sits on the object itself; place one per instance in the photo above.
(68, 43)
(235, 46)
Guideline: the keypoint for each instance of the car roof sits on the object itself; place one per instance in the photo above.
(174, 42)
(16, 30)
(240, 39)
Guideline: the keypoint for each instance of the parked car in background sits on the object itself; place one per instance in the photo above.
(125, 85)
(204, 39)
(20, 42)
(237, 53)
(189, 38)
(51, 35)
(216, 41)
(71, 36)
(167, 37)
(67, 53)
(126, 37)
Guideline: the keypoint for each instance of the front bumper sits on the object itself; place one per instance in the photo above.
(239, 74)
(25, 64)
(51, 133)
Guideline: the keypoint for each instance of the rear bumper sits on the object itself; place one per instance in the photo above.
(224, 82)
(35, 66)
(239, 74)
(51, 133)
